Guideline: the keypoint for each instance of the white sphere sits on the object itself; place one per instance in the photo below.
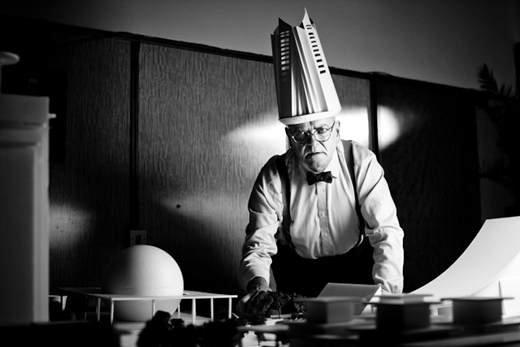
(144, 270)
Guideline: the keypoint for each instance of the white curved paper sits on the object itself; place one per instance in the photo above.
(490, 266)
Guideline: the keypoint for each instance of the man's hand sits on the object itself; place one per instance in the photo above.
(257, 301)
(257, 284)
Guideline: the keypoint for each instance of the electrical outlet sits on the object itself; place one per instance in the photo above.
(137, 237)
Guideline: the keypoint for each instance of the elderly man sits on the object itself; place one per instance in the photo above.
(322, 211)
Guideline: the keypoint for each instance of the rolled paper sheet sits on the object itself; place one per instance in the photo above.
(490, 266)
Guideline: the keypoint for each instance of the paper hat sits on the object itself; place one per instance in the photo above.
(304, 87)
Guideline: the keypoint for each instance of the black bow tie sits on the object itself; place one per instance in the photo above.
(322, 176)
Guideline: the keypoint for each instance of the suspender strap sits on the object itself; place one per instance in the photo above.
(286, 196)
(349, 157)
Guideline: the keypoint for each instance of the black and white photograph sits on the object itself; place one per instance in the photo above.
(260, 173)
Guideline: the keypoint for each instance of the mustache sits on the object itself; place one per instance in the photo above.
(312, 151)
(316, 147)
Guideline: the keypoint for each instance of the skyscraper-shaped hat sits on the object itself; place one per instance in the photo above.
(304, 87)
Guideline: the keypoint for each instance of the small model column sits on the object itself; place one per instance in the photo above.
(24, 206)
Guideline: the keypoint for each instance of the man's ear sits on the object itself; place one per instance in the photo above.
(287, 133)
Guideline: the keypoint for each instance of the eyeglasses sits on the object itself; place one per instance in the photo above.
(321, 134)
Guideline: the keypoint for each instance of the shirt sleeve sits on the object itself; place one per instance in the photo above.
(264, 206)
(382, 225)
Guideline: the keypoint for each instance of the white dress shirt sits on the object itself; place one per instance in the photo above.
(324, 219)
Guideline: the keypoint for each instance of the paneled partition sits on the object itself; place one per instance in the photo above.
(206, 123)
(89, 183)
(428, 148)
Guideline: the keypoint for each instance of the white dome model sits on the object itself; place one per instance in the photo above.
(144, 270)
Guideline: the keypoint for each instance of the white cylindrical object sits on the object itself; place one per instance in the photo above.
(24, 209)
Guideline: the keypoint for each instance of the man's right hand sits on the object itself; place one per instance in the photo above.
(257, 284)
(257, 301)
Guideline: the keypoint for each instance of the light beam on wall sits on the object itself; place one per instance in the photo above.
(389, 127)
(257, 141)
(268, 131)
(247, 148)
(354, 124)
(66, 215)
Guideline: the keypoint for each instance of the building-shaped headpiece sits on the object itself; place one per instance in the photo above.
(304, 87)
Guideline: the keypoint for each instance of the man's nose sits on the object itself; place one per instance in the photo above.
(310, 138)
(313, 145)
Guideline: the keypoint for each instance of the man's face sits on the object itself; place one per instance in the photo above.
(314, 151)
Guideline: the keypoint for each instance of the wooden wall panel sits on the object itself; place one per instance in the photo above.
(432, 170)
(207, 124)
(89, 188)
